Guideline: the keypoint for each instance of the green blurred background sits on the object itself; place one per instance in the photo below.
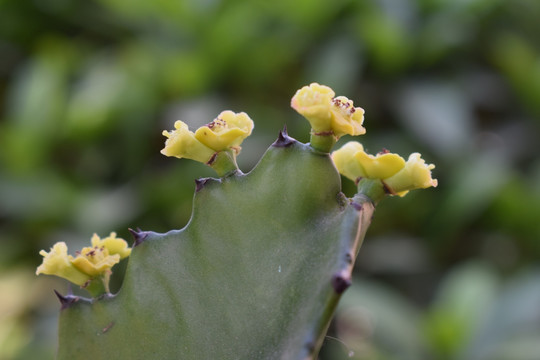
(86, 87)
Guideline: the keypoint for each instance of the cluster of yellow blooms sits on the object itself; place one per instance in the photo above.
(227, 131)
(397, 175)
(337, 116)
(90, 263)
(329, 116)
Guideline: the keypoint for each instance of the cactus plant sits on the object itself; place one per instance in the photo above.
(260, 267)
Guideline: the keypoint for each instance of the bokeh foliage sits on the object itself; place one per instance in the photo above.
(87, 87)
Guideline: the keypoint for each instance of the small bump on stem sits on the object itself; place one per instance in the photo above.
(356, 205)
(349, 258)
(341, 282)
(200, 183)
(66, 301)
(342, 200)
(310, 347)
(138, 236)
(283, 140)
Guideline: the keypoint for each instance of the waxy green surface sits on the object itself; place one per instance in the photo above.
(255, 274)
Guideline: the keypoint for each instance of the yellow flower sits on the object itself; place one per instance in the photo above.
(90, 262)
(182, 143)
(58, 262)
(416, 174)
(353, 162)
(95, 260)
(397, 175)
(327, 113)
(345, 162)
(228, 130)
(113, 244)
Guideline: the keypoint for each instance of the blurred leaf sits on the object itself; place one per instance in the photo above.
(511, 327)
(35, 107)
(373, 320)
(519, 61)
(472, 187)
(439, 114)
(387, 41)
(460, 305)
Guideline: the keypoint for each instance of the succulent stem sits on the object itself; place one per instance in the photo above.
(98, 286)
(323, 142)
(224, 163)
(372, 188)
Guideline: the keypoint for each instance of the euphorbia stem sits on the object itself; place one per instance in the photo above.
(224, 162)
(372, 188)
(323, 142)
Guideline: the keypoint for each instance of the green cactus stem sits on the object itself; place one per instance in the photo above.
(224, 162)
(256, 273)
(323, 142)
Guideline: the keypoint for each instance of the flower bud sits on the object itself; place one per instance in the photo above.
(91, 263)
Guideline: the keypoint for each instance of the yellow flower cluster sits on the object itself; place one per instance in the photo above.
(227, 131)
(326, 113)
(398, 176)
(89, 263)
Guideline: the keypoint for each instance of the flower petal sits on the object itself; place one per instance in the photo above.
(327, 113)
(58, 262)
(95, 260)
(182, 143)
(113, 245)
(379, 166)
(228, 130)
(415, 175)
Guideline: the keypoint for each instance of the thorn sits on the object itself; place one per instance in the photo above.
(356, 205)
(66, 301)
(310, 347)
(199, 183)
(340, 283)
(283, 139)
(349, 258)
(138, 236)
(342, 200)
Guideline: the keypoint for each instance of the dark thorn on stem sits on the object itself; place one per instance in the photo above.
(342, 200)
(199, 183)
(66, 301)
(283, 139)
(340, 283)
(349, 258)
(310, 346)
(356, 205)
(138, 236)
